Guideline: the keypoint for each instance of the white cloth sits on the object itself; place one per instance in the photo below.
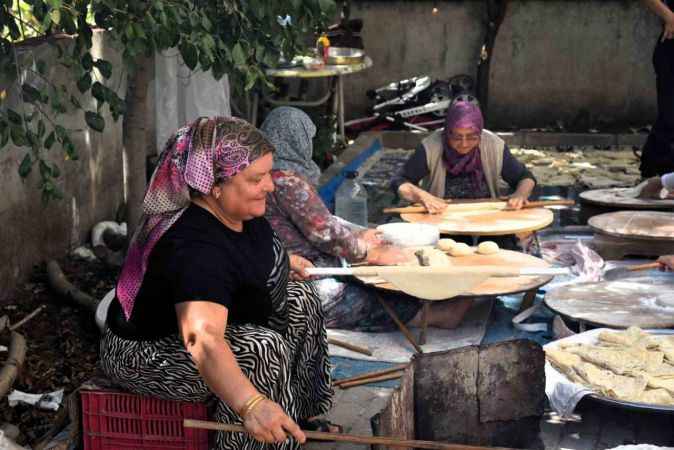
(182, 95)
(667, 181)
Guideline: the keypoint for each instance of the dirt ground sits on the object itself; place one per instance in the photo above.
(62, 341)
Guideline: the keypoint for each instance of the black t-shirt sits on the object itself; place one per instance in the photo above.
(199, 258)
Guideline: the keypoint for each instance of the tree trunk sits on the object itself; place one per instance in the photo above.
(135, 140)
(496, 11)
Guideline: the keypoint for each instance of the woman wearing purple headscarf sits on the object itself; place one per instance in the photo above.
(204, 308)
(462, 161)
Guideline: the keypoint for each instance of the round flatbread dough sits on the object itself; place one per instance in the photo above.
(446, 244)
(461, 249)
(487, 248)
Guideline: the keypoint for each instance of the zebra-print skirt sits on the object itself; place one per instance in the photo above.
(291, 369)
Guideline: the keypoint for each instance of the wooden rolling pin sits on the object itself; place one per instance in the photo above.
(534, 204)
(416, 271)
(343, 437)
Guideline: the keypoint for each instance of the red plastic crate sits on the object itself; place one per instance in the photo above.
(120, 420)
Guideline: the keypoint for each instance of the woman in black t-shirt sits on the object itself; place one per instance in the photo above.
(204, 307)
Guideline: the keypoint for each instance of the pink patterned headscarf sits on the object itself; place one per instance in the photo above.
(199, 156)
(463, 115)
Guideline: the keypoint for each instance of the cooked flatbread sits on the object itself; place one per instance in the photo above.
(632, 337)
(622, 361)
(656, 397)
(626, 365)
(609, 384)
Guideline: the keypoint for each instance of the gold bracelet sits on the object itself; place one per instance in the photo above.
(250, 404)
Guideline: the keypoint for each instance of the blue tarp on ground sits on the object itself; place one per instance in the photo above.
(329, 189)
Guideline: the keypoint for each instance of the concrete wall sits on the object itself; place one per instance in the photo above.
(404, 39)
(31, 231)
(584, 62)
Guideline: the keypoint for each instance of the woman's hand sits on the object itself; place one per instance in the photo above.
(517, 201)
(666, 262)
(297, 266)
(373, 238)
(386, 255)
(651, 189)
(267, 422)
(433, 204)
(668, 31)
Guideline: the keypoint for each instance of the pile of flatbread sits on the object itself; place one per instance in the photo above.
(629, 365)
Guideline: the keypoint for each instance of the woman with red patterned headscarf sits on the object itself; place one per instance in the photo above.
(204, 308)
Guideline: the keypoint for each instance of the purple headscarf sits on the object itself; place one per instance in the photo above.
(199, 156)
(463, 115)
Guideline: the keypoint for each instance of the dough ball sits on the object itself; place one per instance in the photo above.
(487, 248)
(461, 249)
(446, 244)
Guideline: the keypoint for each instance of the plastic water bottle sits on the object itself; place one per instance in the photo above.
(351, 200)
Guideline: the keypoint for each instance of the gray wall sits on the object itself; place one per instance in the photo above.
(30, 231)
(584, 62)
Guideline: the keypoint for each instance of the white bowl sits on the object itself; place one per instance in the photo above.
(410, 234)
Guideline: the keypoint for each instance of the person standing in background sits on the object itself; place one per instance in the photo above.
(658, 154)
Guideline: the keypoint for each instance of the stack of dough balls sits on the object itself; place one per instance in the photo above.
(629, 365)
(461, 249)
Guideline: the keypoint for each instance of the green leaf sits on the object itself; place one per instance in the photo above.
(328, 7)
(189, 54)
(61, 133)
(4, 137)
(25, 166)
(41, 129)
(71, 152)
(206, 23)
(55, 16)
(55, 171)
(238, 55)
(104, 67)
(45, 170)
(87, 62)
(49, 142)
(30, 94)
(18, 135)
(95, 121)
(75, 102)
(84, 83)
(56, 4)
(99, 92)
(14, 117)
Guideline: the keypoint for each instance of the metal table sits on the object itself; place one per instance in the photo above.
(336, 72)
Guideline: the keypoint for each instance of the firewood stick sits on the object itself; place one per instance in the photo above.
(59, 283)
(27, 318)
(343, 437)
(390, 376)
(352, 347)
(374, 373)
(15, 359)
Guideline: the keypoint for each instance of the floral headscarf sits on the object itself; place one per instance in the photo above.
(199, 156)
(463, 115)
(291, 131)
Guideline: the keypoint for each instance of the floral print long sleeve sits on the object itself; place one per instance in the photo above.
(305, 225)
